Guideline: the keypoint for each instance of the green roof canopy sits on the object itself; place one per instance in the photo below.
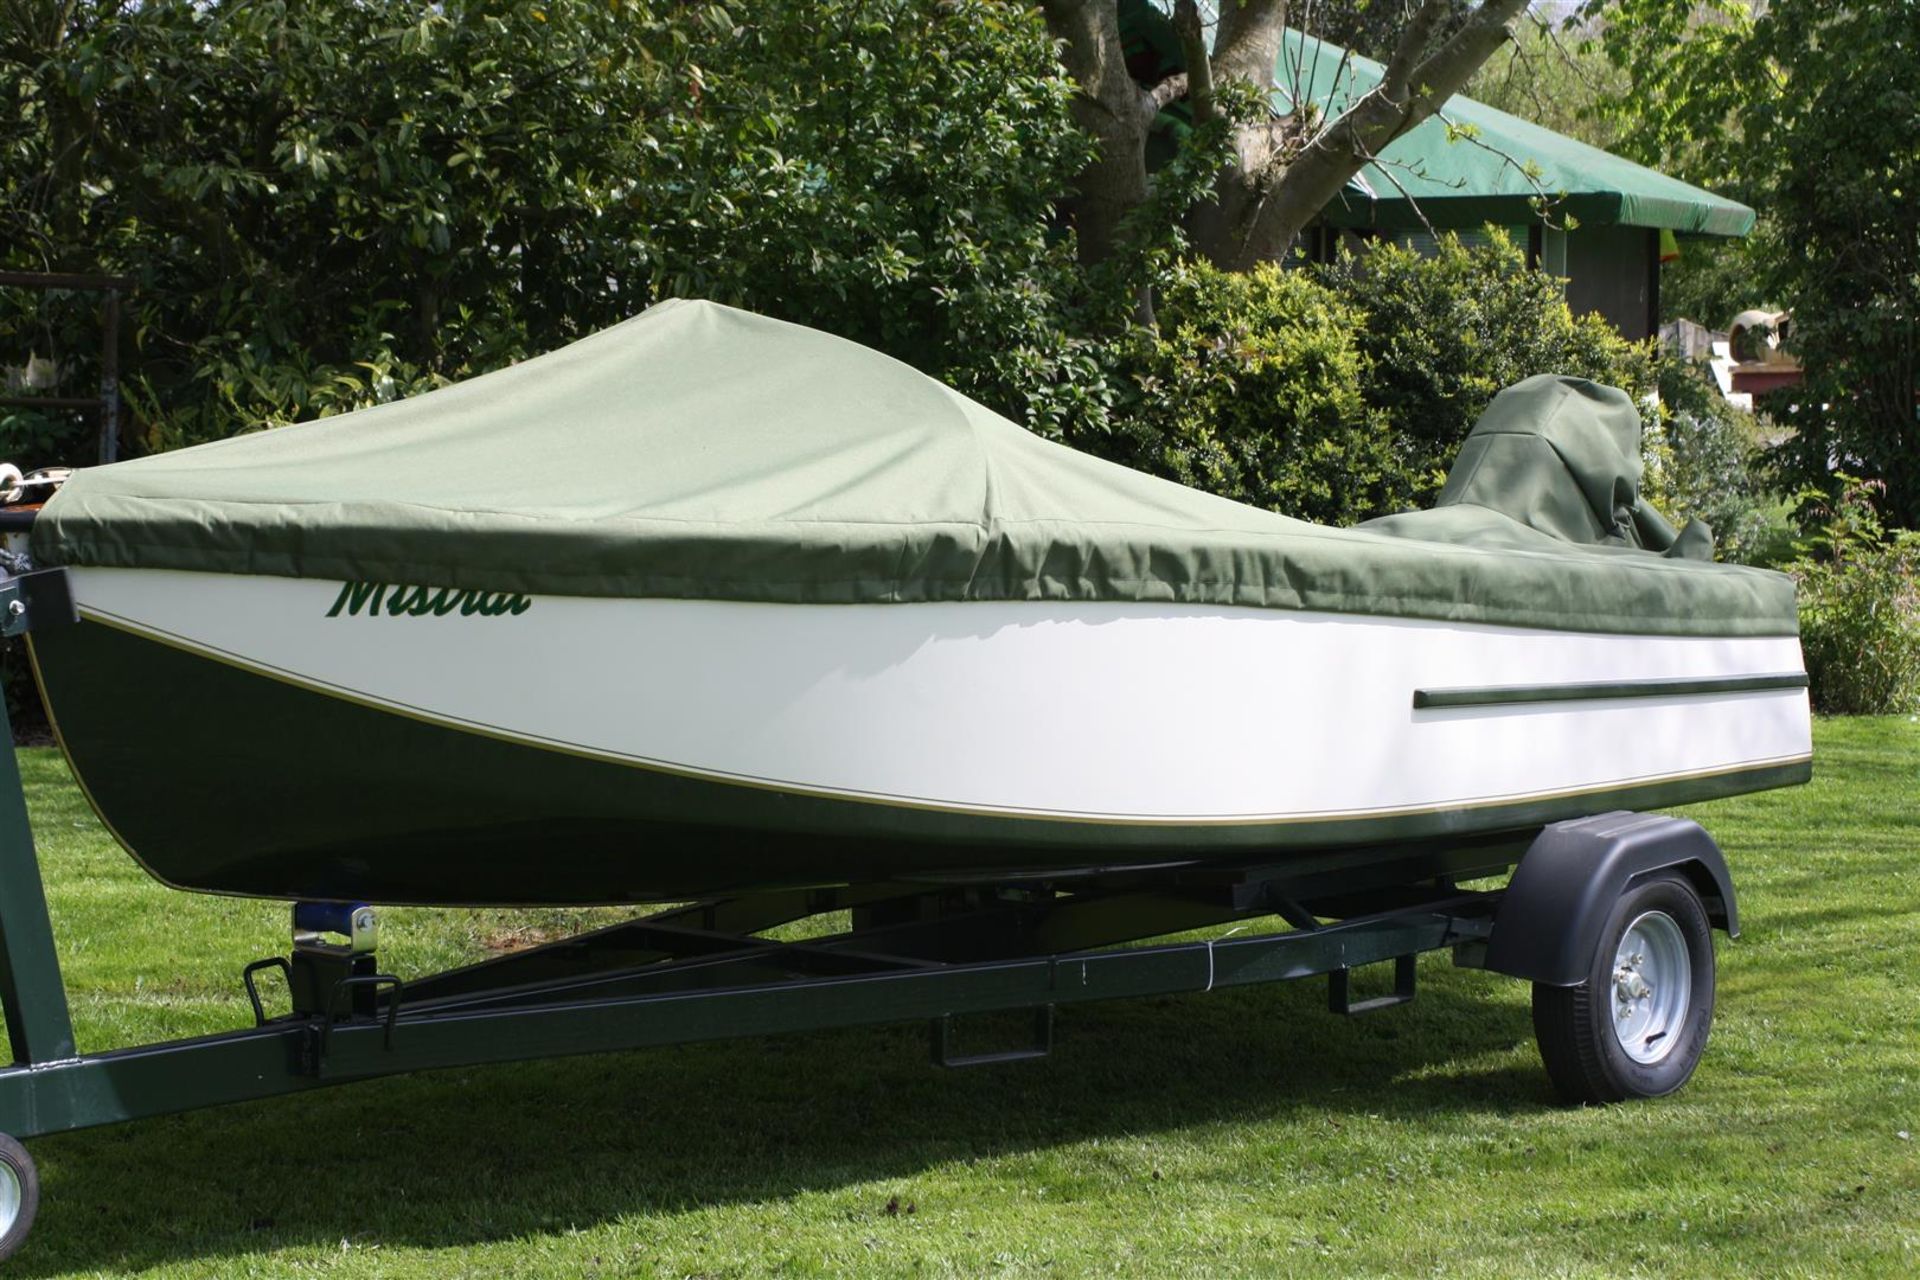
(1462, 166)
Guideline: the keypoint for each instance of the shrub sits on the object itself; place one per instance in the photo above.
(1342, 393)
(1251, 388)
(324, 206)
(1705, 460)
(1444, 332)
(1859, 606)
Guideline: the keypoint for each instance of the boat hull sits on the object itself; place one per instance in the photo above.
(295, 738)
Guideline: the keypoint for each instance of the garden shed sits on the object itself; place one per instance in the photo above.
(1602, 222)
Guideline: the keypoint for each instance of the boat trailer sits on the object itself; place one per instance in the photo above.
(1607, 916)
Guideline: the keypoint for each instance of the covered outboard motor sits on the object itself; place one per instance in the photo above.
(1560, 456)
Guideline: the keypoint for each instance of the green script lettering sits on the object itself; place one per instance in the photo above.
(413, 601)
(356, 596)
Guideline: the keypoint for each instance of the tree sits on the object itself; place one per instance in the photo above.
(1849, 165)
(1274, 172)
(1341, 392)
(1688, 70)
(1694, 68)
(1805, 109)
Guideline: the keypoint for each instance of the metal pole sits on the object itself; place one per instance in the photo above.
(110, 379)
(38, 1024)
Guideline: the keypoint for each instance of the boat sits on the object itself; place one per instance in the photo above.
(708, 602)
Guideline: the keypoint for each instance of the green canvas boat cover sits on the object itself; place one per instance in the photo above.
(702, 452)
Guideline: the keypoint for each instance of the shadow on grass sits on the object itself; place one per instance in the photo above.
(469, 1156)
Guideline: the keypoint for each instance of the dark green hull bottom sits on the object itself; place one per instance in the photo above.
(222, 780)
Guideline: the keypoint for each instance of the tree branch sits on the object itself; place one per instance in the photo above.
(1545, 199)
(1168, 92)
(1199, 64)
(1412, 47)
(1386, 168)
(1453, 64)
(1366, 128)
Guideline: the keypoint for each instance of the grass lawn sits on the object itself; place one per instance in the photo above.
(1242, 1133)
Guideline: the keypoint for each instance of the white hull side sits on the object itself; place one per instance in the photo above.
(1119, 712)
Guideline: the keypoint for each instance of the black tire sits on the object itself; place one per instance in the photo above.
(17, 1166)
(1574, 1025)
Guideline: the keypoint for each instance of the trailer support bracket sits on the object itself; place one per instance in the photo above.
(1341, 1001)
(940, 1043)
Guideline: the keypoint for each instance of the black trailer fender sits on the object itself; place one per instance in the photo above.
(1568, 880)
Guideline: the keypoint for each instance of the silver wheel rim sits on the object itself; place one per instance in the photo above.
(1652, 987)
(9, 1197)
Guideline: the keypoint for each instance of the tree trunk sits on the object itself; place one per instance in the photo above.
(1275, 182)
(1114, 111)
(1414, 87)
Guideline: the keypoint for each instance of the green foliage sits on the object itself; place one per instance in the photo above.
(1252, 389)
(1710, 283)
(47, 347)
(328, 205)
(1664, 82)
(1445, 332)
(1859, 605)
(1681, 78)
(1704, 461)
(1848, 165)
(325, 205)
(1341, 394)
(1713, 281)
(33, 433)
(1804, 109)
(881, 168)
(1693, 73)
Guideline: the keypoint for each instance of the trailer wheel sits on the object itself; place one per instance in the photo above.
(1635, 1028)
(19, 1195)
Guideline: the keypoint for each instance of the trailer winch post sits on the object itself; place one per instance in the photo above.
(39, 1027)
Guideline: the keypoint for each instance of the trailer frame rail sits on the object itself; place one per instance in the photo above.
(653, 981)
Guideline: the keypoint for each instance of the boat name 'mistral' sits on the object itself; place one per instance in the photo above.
(375, 598)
